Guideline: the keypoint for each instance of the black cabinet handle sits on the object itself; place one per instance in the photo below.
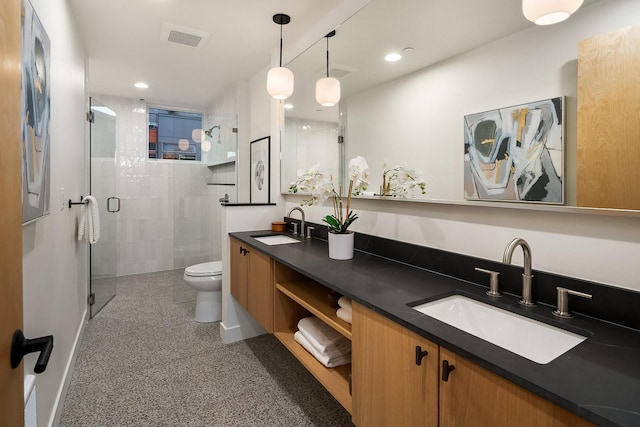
(243, 251)
(446, 370)
(21, 346)
(420, 355)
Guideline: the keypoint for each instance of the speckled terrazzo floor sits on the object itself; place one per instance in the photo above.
(144, 361)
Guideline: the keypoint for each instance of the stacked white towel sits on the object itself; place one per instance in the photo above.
(344, 312)
(324, 343)
(89, 220)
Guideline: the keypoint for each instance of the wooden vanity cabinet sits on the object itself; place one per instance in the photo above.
(390, 388)
(251, 282)
(475, 396)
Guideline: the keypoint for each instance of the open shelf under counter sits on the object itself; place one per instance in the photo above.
(314, 298)
(335, 380)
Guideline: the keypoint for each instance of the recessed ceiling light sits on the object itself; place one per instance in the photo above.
(141, 85)
(288, 106)
(393, 57)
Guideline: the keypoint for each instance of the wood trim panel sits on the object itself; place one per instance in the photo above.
(12, 380)
(609, 120)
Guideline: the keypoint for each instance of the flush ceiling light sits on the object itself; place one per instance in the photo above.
(547, 12)
(393, 57)
(280, 79)
(183, 144)
(328, 88)
(205, 145)
(141, 85)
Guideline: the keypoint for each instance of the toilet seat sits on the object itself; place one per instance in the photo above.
(206, 269)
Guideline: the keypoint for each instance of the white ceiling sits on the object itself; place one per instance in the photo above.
(122, 40)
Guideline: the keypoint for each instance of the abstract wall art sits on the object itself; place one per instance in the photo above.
(35, 107)
(516, 153)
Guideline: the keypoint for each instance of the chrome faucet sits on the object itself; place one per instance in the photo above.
(301, 222)
(527, 298)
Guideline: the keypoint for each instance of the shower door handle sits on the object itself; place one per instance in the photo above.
(109, 204)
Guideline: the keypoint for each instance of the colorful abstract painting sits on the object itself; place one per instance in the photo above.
(516, 153)
(36, 83)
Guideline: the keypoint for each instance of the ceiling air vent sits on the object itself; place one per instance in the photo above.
(184, 38)
(336, 71)
(183, 35)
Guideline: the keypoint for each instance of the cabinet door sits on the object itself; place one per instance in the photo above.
(389, 387)
(239, 266)
(474, 396)
(260, 289)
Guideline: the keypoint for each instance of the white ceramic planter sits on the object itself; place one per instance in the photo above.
(341, 246)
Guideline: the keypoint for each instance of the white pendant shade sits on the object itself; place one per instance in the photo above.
(547, 12)
(183, 144)
(205, 145)
(328, 91)
(197, 135)
(280, 82)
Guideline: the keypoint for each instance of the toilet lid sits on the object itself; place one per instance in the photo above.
(213, 268)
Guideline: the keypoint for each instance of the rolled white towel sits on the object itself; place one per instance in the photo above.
(321, 336)
(329, 362)
(345, 302)
(344, 314)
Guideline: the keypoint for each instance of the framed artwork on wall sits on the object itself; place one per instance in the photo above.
(36, 83)
(260, 155)
(516, 153)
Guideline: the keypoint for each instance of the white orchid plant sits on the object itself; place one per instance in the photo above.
(401, 181)
(320, 184)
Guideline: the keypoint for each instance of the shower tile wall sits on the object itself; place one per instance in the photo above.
(166, 219)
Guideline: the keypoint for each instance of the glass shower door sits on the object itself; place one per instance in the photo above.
(102, 254)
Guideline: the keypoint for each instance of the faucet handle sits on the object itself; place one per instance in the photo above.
(562, 309)
(295, 228)
(493, 285)
(310, 231)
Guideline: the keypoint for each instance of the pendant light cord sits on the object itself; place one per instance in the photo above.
(327, 56)
(281, 45)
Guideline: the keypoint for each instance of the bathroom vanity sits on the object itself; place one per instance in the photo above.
(411, 369)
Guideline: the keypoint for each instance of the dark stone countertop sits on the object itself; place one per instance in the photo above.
(598, 380)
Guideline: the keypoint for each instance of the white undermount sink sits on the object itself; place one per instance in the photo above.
(276, 239)
(529, 338)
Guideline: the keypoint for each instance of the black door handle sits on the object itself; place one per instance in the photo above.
(446, 370)
(420, 355)
(21, 346)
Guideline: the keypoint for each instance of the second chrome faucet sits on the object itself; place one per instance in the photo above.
(527, 294)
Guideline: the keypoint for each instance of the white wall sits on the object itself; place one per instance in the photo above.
(54, 263)
(592, 247)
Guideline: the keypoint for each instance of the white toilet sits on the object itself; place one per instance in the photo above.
(206, 278)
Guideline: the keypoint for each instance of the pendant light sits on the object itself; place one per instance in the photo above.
(280, 79)
(547, 12)
(328, 88)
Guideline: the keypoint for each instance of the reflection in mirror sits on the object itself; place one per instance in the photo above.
(454, 64)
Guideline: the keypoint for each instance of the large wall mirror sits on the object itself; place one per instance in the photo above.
(459, 58)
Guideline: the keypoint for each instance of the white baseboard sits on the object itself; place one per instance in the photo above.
(240, 332)
(54, 420)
